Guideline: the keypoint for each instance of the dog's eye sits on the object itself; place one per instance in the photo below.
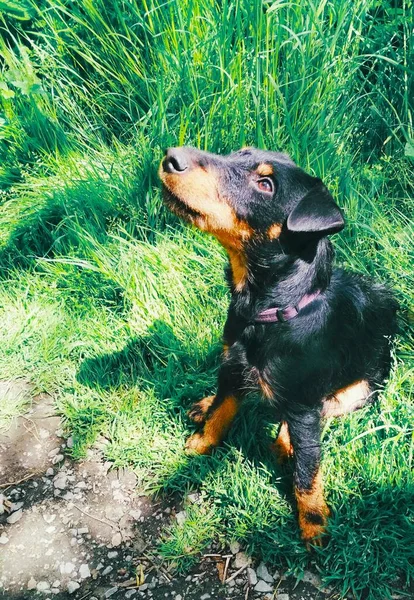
(265, 185)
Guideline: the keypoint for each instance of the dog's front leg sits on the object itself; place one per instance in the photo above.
(217, 412)
(304, 429)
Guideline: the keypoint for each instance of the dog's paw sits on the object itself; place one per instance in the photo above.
(198, 412)
(313, 528)
(198, 444)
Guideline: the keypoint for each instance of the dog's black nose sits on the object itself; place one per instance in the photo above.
(175, 161)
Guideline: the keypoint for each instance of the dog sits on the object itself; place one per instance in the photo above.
(312, 339)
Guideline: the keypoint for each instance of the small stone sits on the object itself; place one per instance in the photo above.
(263, 587)
(107, 570)
(283, 597)
(49, 472)
(112, 554)
(135, 514)
(57, 459)
(116, 539)
(263, 573)
(143, 587)
(178, 597)
(69, 442)
(72, 586)
(181, 517)
(15, 506)
(83, 530)
(130, 593)
(234, 547)
(81, 485)
(43, 586)
(31, 584)
(194, 498)
(48, 518)
(312, 578)
(111, 591)
(242, 560)
(53, 452)
(3, 538)
(251, 573)
(66, 568)
(60, 483)
(56, 583)
(84, 571)
(205, 597)
(14, 517)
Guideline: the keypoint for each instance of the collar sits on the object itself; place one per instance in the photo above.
(279, 315)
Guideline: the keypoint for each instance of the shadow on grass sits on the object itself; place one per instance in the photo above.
(371, 535)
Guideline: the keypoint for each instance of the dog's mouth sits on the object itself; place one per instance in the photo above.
(179, 207)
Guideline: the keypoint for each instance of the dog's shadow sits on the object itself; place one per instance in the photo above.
(179, 375)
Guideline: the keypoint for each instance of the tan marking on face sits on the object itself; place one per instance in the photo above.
(265, 387)
(274, 231)
(282, 445)
(312, 502)
(216, 427)
(199, 190)
(264, 170)
(226, 350)
(346, 399)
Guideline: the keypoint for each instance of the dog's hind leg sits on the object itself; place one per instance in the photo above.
(282, 446)
(312, 510)
(219, 418)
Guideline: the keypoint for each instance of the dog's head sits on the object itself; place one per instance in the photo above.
(246, 195)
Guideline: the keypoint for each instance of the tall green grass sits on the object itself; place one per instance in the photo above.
(113, 306)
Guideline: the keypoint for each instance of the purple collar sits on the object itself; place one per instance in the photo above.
(278, 315)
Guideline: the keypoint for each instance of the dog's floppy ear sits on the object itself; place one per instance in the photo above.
(316, 213)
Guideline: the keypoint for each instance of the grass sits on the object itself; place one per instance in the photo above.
(115, 308)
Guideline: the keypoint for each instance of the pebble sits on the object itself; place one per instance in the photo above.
(72, 586)
(81, 485)
(57, 459)
(312, 578)
(283, 597)
(56, 583)
(15, 506)
(263, 573)
(14, 517)
(53, 452)
(234, 547)
(205, 597)
(242, 560)
(49, 472)
(107, 570)
(135, 514)
(130, 593)
(67, 567)
(112, 554)
(181, 517)
(111, 591)
(60, 483)
(178, 597)
(3, 538)
(263, 586)
(252, 576)
(84, 571)
(43, 586)
(48, 518)
(83, 530)
(116, 539)
(69, 442)
(31, 584)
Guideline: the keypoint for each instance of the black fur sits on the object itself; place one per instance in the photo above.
(343, 336)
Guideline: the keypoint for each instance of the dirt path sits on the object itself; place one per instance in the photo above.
(81, 530)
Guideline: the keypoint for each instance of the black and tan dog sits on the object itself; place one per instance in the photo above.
(313, 339)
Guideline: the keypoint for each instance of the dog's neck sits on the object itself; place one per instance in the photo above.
(270, 275)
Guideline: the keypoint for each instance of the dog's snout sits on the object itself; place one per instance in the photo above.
(175, 161)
